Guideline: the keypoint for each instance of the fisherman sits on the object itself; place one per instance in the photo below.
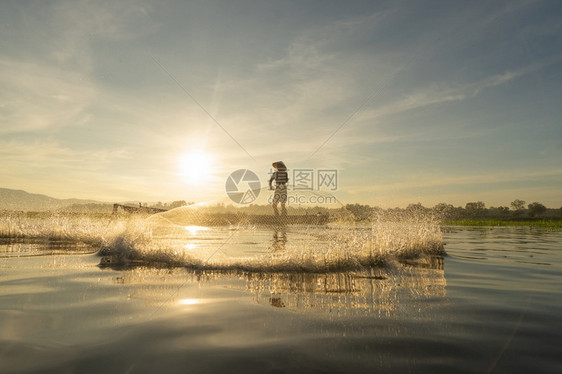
(281, 177)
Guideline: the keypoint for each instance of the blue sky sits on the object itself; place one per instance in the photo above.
(412, 101)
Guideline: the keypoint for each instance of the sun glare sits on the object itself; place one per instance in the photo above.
(193, 230)
(196, 167)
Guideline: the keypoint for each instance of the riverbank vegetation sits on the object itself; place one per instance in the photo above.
(473, 214)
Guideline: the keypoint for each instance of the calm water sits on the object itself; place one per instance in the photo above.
(492, 304)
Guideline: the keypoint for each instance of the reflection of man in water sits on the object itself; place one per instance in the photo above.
(279, 240)
(276, 302)
(281, 177)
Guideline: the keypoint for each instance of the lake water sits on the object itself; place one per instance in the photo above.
(492, 303)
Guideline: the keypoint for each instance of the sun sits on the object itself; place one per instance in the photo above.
(196, 167)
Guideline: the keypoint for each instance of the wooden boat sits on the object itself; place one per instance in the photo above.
(136, 209)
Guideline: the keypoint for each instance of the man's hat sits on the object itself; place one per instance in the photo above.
(279, 165)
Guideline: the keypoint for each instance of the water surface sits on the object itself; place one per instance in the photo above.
(491, 304)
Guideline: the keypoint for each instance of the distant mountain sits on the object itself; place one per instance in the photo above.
(25, 201)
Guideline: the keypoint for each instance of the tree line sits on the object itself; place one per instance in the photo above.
(518, 210)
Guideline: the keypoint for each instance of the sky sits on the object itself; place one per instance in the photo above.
(410, 101)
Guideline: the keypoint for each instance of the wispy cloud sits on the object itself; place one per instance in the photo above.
(50, 83)
(49, 154)
(38, 97)
(81, 99)
(436, 94)
(415, 182)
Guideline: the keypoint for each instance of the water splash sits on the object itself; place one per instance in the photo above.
(47, 226)
(226, 238)
(246, 242)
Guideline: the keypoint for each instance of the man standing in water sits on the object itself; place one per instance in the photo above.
(281, 177)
